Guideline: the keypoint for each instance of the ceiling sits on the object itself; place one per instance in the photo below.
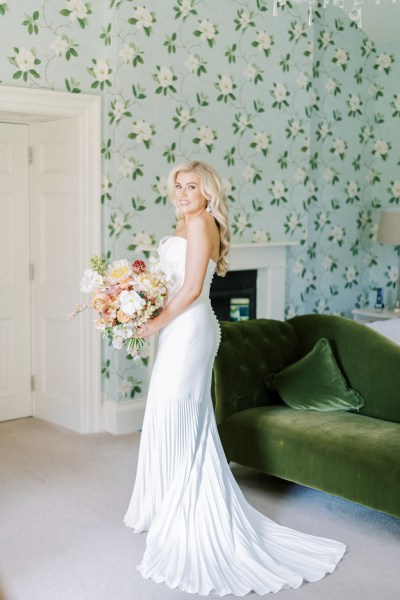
(381, 22)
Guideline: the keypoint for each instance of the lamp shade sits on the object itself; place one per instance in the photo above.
(389, 227)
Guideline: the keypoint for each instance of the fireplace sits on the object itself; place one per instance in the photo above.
(267, 264)
(234, 297)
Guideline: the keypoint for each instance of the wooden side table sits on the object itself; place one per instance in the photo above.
(367, 315)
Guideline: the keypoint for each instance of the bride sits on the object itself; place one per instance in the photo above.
(203, 536)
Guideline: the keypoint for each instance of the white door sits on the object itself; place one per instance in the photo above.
(15, 304)
(56, 201)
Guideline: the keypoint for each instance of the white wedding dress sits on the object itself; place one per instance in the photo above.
(203, 536)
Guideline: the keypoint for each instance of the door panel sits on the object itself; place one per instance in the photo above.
(57, 270)
(15, 308)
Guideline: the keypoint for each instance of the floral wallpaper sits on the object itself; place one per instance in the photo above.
(298, 120)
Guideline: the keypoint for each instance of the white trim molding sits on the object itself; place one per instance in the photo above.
(123, 417)
(26, 105)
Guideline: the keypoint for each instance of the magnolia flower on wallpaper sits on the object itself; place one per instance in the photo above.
(206, 32)
(140, 240)
(381, 148)
(281, 94)
(165, 78)
(263, 42)
(25, 60)
(59, 45)
(241, 123)
(183, 117)
(339, 147)
(337, 235)
(350, 275)
(297, 31)
(354, 103)
(329, 263)
(260, 236)
(225, 86)
(142, 132)
(341, 57)
(127, 53)
(384, 62)
(261, 142)
(278, 191)
(391, 274)
(77, 10)
(352, 191)
(332, 86)
(143, 19)
(205, 137)
(394, 191)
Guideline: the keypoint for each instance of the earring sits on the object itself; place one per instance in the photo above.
(209, 206)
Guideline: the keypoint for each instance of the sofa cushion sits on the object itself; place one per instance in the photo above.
(315, 382)
(342, 453)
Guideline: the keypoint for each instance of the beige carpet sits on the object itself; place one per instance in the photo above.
(63, 497)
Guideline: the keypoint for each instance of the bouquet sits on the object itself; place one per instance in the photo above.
(126, 296)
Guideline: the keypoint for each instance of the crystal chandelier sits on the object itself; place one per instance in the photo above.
(355, 12)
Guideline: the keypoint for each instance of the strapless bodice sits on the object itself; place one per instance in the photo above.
(172, 254)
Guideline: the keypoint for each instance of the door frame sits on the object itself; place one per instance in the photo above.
(26, 105)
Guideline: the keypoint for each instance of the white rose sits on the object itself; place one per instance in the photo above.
(341, 56)
(263, 40)
(118, 110)
(381, 147)
(352, 189)
(141, 239)
(260, 236)
(383, 61)
(261, 140)
(248, 173)
(117, 342)
(280, 92)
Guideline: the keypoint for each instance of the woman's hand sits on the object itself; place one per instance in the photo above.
(148, 329)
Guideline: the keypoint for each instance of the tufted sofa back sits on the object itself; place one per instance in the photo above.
(249, 351)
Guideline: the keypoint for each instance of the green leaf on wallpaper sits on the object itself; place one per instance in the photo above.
(379, 118)
(355, 248)
(169, 153)
(106, 368)
(312, 250)
(3, 8)
(30, 23)
(339, 25)
(357, 162)
(358, 75)
(257, 205)
(230, 54)
(229, 156)
(106, 35)
(184, 9)
(333, 290)
(259, 106)
(72, 86)
(314, 161)
(262, 5)
(283, 160)
(335, 204)
(170, 43)
(337, 115)
(138, 92)
(202, 99)
(285, 63)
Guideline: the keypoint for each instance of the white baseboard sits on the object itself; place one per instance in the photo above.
(123, 417)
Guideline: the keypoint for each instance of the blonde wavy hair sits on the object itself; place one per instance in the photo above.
(211, 188)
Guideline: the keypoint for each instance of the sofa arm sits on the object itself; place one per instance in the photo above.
(248, 352)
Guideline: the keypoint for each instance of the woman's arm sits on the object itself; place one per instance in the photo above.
(198, 251)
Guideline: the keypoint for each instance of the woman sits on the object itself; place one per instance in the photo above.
(203, 536)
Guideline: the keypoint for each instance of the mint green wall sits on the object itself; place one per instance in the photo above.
(246, 91)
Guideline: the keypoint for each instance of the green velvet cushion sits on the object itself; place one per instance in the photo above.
(315, 382)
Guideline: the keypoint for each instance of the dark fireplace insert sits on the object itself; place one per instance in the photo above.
(234, 296)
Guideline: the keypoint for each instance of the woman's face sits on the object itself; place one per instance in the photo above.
(188, 196)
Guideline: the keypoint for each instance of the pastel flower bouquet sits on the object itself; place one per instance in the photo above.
(126, 296)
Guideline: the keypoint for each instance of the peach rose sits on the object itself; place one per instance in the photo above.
(101, 302)
(123, 317)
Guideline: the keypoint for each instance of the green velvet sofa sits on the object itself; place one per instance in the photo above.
(354, 455)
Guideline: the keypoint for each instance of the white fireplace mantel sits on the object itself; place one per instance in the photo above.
(269, 259)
